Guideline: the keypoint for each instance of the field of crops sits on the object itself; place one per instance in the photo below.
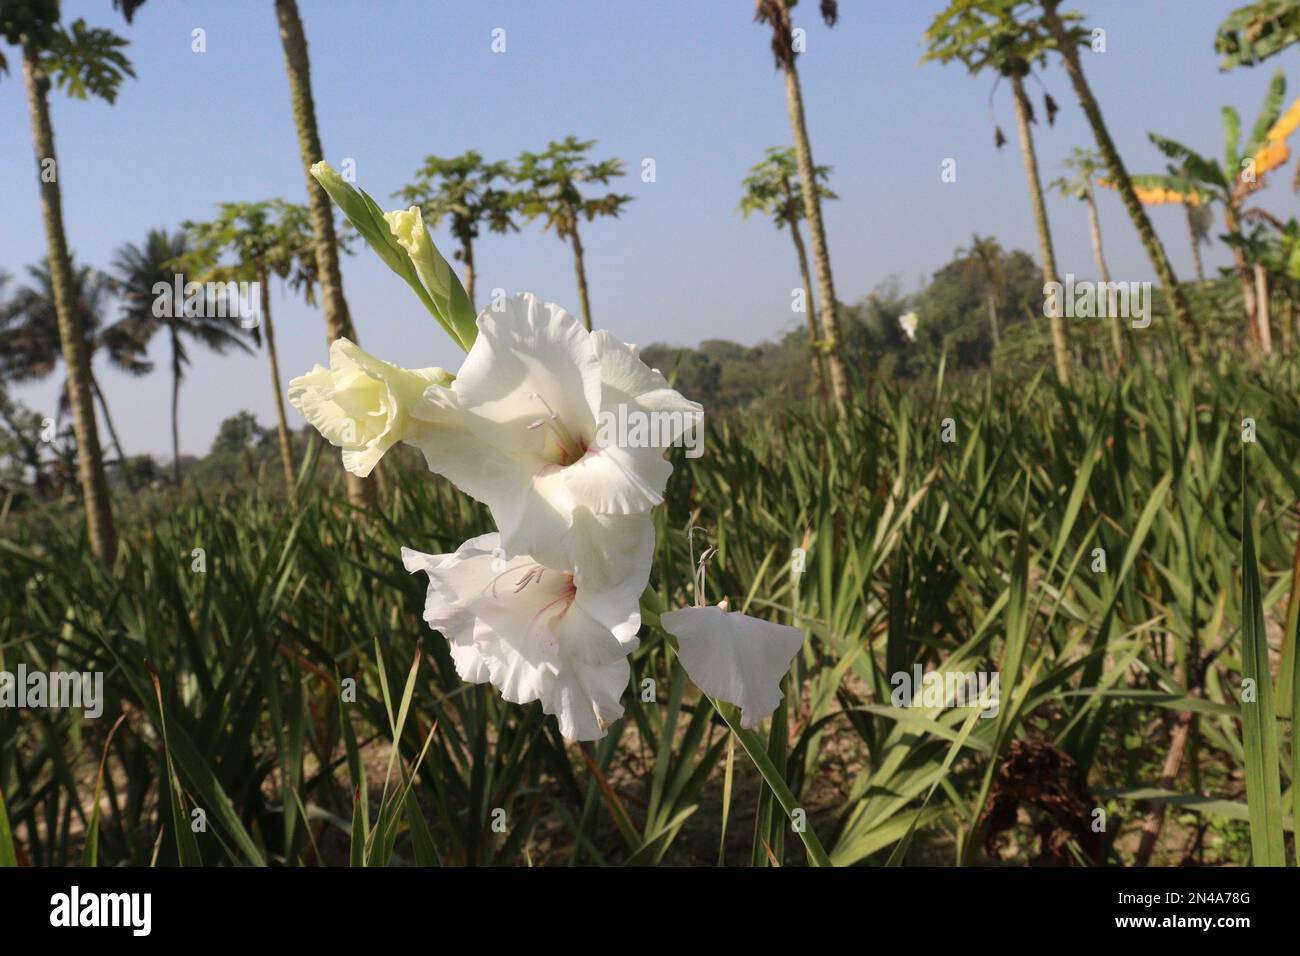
(1093, 547)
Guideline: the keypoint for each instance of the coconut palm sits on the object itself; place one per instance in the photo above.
(1083, 166)
(1198, 180)
(1068, 37)
(338, 323)
(85, 62)
(30, 346)
(777, 15)
(770, 188)
(462, 190)
(987, 35)
(253, 242)
(138, 270)
(552, 190)
(984, 257)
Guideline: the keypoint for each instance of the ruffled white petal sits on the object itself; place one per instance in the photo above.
(535, 632)
(629, 383)
(734, 657)
(360, 403)
(530, 361)
(478, 431)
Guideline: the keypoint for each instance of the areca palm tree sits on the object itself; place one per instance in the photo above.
(85, 62)
(1083, 166)
(30, 345)
(1198, 231)
(463, 190)
(1069, 36)
(253, 242)
(988, 35)
(770, 189)
(776, 14)
(553, 191)
(138, 270)
(338, 323)
(984, 256)
(1199, 180)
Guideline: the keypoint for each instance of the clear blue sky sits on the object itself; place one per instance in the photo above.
(688, 83)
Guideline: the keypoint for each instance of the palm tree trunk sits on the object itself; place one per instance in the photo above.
(814, 333)
(90, 460)
(1262, 310)
(1060, 342)
(1196, 247)
(1094, 228)
(1242, 268)
(176, 401)
(112, 432)
(282, 422)
(830, 319)
(1115, 166)
(582, 274)
(467, 254)
(338, 323)
(991, 299)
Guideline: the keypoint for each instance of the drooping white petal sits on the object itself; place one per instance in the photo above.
(535, 632)
(734, 657)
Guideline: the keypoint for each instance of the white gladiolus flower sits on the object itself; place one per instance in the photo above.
(520, 429)
(734, 657)
(907, 322)
(535, 632)
(360, 403)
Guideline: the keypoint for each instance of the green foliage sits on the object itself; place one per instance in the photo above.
(27, 21)
(462, 190)
(1083, 166)
(239, 433)
(1196, 174)
(553, 183)
(87, 61)
(251, 241)
(138, 270)
(1257, 31)
(969, 556)
(1005, 36)
(772, 187)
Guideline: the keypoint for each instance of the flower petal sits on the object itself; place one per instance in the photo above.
(628, 382)
(360, 403)
(535, 632)
(530, 361)
(734, 657)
